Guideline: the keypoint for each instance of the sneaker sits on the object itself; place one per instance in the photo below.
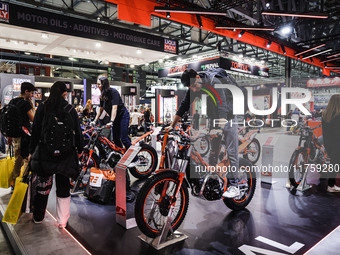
(333, 189)
(231, 192)
(36, 222)
(61, 226)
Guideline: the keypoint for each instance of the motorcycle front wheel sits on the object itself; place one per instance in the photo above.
(247, 179)
(155, 200)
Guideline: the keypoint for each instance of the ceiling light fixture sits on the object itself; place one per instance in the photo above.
(139, 52)
(166, 57)
(297, 14)
(98, 45)
(325, 61)
(283, 49)
(267, 5)
(321, 45)
(147, 64)
(268, 44)
(179, 59)
(168, 15)
(245, 27)
(286, 30)
(334, 55)
(132, 66)
(318, 53)
(44, 35)
(199, 20)
(189, 10)
(332, 67)
(241, 34)
(160, 61)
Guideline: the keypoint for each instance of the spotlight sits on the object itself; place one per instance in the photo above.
(44, 35)
(283, 49)
(168, 15)
(286, 30)
(268, 44)
(199, 20)
(241, 34)
(267, 5)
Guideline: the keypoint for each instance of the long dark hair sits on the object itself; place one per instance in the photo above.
(105, 87)
(55, 99)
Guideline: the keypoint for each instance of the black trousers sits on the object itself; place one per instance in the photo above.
(43, 188)
(332, 174)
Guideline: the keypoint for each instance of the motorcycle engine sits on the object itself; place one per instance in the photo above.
(213, 190)
(113, 159)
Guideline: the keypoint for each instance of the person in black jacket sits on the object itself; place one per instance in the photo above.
(331, 138)
(198, 82)
(112, 103)
(55, 101)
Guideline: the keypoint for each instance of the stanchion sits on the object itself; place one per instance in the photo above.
(164, 239)
(267, 160)
(121, 212)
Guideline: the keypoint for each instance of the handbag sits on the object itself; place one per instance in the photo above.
(6, 169)
(13, 210)
(45, 165)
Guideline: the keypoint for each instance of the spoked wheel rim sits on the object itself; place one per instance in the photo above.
(203, 145)
(145, 161)
(299, 168)
(253, 151)
(245, 183)
(158, 202)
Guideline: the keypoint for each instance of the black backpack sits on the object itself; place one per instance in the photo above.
(11, 118)
(58, 135)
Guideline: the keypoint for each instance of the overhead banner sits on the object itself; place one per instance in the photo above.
(327, 82)
(215, 62)
(38, 19)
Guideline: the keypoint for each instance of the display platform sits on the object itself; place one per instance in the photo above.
(27, 237)
(277, 221)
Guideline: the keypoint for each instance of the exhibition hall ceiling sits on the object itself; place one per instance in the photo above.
(28, 40)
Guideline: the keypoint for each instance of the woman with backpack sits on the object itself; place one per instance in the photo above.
(58, 149)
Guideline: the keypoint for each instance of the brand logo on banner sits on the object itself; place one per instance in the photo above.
(328, 82)
(170, 46)
(17, 83)
(4, 12)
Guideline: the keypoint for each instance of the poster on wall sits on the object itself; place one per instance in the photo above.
(167, 108)
(38, 94)
(95, 94)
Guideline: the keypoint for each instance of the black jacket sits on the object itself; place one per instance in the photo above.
(222, 109)
(37, 128)
(331, 137)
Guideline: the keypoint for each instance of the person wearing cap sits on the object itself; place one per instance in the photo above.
(197, 84)
(25, 104)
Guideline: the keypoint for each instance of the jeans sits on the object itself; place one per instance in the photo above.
(120, 131)
(2, 143)
(231, 138)
(133, 130)
(43, 188)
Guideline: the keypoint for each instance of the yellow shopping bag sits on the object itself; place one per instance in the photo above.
(13, 210)
(6, 172)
